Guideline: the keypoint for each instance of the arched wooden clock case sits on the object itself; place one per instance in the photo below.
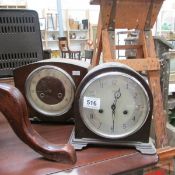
(113, 106)
(49, 87)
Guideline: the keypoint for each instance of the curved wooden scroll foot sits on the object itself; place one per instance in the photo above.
(13, 106)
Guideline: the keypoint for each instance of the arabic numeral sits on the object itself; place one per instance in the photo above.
(124, 126)
(134, 119)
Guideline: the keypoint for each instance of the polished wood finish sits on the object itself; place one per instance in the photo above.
(67, 65)
(17, 159)
(13, 106)
(139, 15)
(9, 80)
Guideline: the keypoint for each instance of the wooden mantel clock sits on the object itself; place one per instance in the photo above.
(113, 106)
(49, 87)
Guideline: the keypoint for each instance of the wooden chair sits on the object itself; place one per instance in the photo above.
(64, 48)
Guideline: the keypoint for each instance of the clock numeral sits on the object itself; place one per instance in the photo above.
(114, 83)
(139, 107)
(91, 116)
(124, 126)
(101, 83)
(134, 119)
(135, 95)
(95, 121)
(127, 86)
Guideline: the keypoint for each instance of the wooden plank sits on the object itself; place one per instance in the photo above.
(107, 49)
(159, 117)
(139, 53)
(125, 47)
(151, 18)
(166, 153)
(98, 44)
(166, 159)
(131, 14)
(142, 40)
(106, 9)
(140, 64)
(134, 14)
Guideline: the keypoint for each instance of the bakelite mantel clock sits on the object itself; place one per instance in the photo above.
(113, 106)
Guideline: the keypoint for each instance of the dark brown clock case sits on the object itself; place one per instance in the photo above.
(76, 69)
(82, 136)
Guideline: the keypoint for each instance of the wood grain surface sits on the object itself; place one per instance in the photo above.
(18, 159)
(14, 108)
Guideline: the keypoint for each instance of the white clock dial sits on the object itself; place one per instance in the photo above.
(50, 90)
(114, 105)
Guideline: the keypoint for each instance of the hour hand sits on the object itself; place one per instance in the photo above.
(113, 107)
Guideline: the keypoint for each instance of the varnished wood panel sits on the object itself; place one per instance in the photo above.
(18, 159)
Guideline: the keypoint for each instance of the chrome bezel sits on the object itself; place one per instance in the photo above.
(100, 133)
(31, 101)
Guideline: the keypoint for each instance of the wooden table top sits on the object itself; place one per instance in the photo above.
(18, 159)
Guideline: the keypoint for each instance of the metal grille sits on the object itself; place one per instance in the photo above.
(12, 25)
(20, 40)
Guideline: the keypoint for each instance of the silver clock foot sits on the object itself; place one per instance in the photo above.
(144, 148)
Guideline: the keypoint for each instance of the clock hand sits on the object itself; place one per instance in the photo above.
(113, 107)
(117, 95)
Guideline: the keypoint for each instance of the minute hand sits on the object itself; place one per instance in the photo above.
(117, 95)
(113, 107)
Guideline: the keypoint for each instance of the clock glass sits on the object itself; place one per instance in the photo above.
(114, 105)
(50, 90)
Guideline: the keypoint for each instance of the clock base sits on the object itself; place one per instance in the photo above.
(80, 143)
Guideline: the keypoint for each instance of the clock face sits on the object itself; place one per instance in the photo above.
(50, 90)
(114, 105)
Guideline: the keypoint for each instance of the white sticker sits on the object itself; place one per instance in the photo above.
(91, 102)
(76, 73)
